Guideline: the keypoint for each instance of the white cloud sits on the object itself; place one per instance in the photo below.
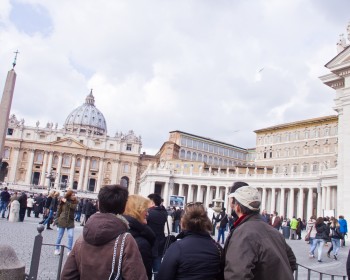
(157, 66)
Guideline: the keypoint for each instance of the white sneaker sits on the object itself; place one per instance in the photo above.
(57, 252)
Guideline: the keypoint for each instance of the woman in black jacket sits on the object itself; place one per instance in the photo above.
(136, 213)
(322, 235)
(196, 255)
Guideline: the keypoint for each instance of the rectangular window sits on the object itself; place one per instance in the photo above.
(128, 147)
(205, 147)
(9, 131)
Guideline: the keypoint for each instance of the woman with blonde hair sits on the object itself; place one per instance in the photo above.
(196, 255)
(136, 211)
(335, 237)
(65, 219)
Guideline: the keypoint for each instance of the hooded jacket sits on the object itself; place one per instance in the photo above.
(92, 254)
(65, 214)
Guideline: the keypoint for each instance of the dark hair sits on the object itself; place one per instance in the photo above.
(237, 185)
(5, 189)
(195, 219)
(319, 221)
(156, 198)
(112, 199)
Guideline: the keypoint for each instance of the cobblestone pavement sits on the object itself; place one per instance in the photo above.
(20, 236)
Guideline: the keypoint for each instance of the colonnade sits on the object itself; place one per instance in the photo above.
(299, 201)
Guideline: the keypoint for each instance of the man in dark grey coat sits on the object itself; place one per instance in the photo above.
(255, 250)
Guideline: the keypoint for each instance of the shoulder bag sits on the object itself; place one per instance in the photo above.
(117, 275)
(307, 236)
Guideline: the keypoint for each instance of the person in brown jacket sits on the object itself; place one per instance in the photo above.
(92, 254)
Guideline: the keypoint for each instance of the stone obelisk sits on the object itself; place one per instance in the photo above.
(5, 106)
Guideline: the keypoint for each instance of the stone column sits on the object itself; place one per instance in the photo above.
(115, 173)
(291, 203)
(319, 203)
(282, 205)
(263, 199)
(42, 175)
(48, 169)
(301, 203)
(324, 197)
(166, 193)
(29, 168)
(273, 200)
(72, 171)
(199, 193)
(207, 196)
(211, 190)
(58, 172)
(100, 175)
(328, 199)
(13, 170)
(86, 175)
(81, 174)
(227, 202)
(310, 203)
(180, 189)
(217, 190)
(190, 193)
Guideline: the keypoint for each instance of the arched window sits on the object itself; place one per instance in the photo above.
(78, 164)
(220, 161)
(205, 158)
(200, 157)
(66, 160)
(210, 160)
(124, 181)
(215, 161)
(182, 154)
(194, 156)
(188, 155)
(55, 160)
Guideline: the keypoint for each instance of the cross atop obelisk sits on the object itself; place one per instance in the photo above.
(15, 60)
(5, 105)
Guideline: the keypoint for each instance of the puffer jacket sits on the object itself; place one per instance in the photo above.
(65, 214)
(144, 237)
(322, 231)
(255, 250)
(92, 254)
(195, 257)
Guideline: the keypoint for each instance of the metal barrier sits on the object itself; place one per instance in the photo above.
(311, 272)
(34, 265)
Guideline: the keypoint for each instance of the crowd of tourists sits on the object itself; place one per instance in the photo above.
(124, 237)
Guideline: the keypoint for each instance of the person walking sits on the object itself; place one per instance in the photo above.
(343, 229)
(177, 218)
(254, 249)
(222, 220)
(293, 228)
(51, 203)
(22, 206)
(156, 219)
(335, 237)
(276, 221)
(93, 252)
(322, 235)
(300, 227)
(311, 229)
(4, 201)
(195, 255)
(135, 213)
(65, 220)
(30, 204)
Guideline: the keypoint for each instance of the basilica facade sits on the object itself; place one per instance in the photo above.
(80, 155)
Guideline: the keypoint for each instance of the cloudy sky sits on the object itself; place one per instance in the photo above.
(219, 69)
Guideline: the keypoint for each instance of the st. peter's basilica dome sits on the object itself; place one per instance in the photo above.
(86, 119)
